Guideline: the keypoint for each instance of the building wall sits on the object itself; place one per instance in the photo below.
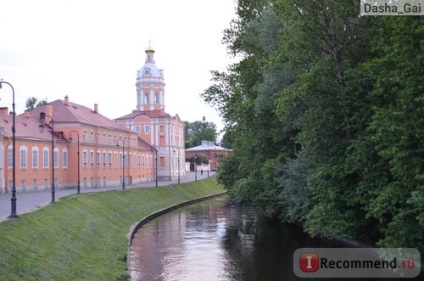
(166, 134)
(213, 155)
(102, 171)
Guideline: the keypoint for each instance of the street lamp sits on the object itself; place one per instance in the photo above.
(78, 153)
(195, 168)
(13, 199)
(123, 161)
(42, 120)
(156, 164)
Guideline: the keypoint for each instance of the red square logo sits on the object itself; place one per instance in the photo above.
(309, 262)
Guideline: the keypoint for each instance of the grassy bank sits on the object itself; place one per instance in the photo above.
(84, 237)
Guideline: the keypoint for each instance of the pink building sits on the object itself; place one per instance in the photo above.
(153, 125)
(101, 161)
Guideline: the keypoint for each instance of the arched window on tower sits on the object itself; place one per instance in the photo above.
(146, 98)
(156, 97)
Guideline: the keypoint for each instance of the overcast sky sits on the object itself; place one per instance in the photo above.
(91, 50)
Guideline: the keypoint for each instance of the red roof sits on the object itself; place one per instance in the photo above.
(74, 113)
(26, 128)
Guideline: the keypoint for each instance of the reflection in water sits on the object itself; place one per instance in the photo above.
(216, 240)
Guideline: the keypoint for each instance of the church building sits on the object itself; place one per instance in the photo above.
(153, 125)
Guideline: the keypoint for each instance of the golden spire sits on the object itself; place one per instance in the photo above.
(150, 49)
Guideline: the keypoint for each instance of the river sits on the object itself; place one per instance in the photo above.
(218, 240)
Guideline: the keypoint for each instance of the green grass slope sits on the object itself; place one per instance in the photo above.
(84, 237)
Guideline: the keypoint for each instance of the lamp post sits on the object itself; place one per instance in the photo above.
(195, 168)
(156, 164)
(78, 153)
(178, 168)
(123, 161)
(43, 116)
(13, 199)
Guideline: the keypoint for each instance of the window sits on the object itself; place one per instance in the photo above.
(147, 129)
(110, 158)
(104, 158)
(65, 158)
(84, 157)
(23, 157)
(23, 184)
(35, 184)
(110, 138)
(98, 137)
(10, 156)
(91, 136)
(35, 157)
(56, 158)
(137, 129)
(104, 138)
(45, 158)
(156, 97)
(84, 135)
(120, 160)
(114, 139)
(98, 157)
(91, 157)
(146, 98)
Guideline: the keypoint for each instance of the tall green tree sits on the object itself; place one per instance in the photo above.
(197, 131)
(323, 112)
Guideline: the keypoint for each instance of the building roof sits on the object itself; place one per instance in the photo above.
(150, 114)
(207, 146)
(26, 128)
(68, 112)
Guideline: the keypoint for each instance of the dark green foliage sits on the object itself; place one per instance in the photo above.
(31, 103)
(197, 131)
(325, 116)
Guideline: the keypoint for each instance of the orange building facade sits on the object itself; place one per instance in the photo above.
(103, 160)
(153, 125)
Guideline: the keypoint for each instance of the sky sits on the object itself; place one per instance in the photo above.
(90, 50)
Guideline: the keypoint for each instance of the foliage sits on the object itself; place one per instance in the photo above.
(324, 113)
(197, 131)
(31, 103)
(198, 159)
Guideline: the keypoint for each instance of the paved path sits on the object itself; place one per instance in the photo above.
(32, 200)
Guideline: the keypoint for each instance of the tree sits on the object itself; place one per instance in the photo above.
(323, 113)
(197, 131)
(31, 103)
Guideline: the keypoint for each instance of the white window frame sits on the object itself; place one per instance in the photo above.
(56, 158)
(35, 157)
(23, 157)
(46, 158)
(65, 158)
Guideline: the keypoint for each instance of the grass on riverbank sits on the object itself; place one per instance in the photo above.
(84, 237)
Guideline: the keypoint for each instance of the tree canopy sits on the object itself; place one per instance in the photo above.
(31, 103)
(197, 131)
(325, 118)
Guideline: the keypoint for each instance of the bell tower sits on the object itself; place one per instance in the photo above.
(150, 85)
